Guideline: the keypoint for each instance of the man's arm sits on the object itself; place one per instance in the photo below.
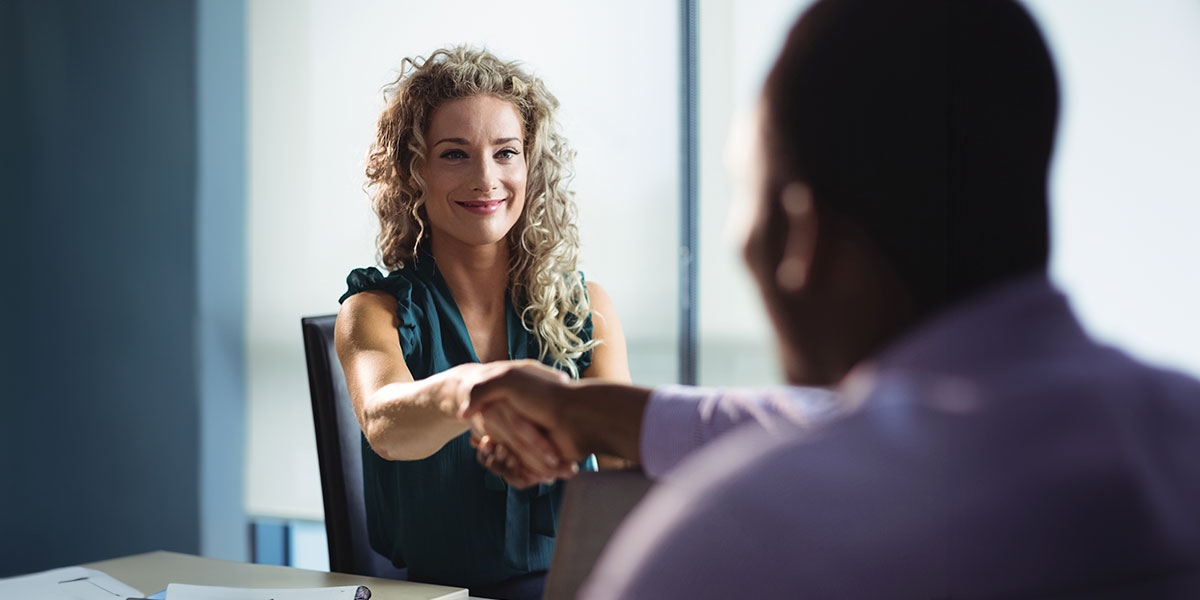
(526, 415)
(681, 419)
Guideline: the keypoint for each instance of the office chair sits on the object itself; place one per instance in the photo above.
(339, 455)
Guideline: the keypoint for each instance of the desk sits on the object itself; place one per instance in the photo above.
(152, 572)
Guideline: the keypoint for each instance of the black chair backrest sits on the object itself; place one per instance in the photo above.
(339, 456)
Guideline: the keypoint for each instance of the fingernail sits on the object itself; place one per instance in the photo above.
(551, 459)
(574, 468)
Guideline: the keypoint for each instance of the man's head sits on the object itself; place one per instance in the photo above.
(905, 152)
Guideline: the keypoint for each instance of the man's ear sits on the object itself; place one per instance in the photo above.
(800, 238)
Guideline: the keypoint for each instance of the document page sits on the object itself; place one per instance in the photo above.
(68, 583)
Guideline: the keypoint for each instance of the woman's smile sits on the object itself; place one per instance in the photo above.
(482, 207)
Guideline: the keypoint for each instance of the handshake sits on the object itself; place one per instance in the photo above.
(531, 423)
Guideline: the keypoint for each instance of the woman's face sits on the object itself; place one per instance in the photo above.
(474, 171)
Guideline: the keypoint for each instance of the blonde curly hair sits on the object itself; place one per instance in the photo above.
(544, 243)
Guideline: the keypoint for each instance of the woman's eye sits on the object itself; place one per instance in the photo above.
(454, 154)
(507, 153)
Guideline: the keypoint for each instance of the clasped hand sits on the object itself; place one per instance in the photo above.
(517, 426)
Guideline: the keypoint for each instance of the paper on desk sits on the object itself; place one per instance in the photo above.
(68, 583)
(180, 591)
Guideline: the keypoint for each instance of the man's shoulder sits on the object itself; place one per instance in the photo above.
(1109, 384)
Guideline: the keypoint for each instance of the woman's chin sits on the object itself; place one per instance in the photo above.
(477, 238)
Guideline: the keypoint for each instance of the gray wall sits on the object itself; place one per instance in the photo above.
(100, 439)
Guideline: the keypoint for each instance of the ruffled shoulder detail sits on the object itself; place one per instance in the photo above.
(369, 278)
(399, 284)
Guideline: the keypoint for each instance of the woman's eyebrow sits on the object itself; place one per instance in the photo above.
(464, 142)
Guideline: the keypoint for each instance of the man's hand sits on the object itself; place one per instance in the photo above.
(516, 421)
(546, 423)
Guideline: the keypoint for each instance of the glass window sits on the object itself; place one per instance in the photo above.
(737, 43)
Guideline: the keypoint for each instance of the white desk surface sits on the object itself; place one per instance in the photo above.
(152, 572)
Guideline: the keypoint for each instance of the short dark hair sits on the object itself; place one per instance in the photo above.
(927, 124)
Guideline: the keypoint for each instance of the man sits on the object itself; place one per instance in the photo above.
(900, 243)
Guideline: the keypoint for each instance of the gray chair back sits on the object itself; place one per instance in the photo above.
(594, 504)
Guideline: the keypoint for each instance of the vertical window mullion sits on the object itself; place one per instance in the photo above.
(689, 192)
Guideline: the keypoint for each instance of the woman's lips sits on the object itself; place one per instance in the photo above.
(482, 207)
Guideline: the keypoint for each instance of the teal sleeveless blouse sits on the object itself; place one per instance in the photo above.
(445, 517)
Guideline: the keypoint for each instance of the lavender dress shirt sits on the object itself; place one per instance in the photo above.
(679, 419)
(997, 452)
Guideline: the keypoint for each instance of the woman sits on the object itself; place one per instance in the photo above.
(468, 178)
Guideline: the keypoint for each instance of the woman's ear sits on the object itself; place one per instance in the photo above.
(800, 237)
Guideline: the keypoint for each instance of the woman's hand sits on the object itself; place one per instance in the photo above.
(498, 459)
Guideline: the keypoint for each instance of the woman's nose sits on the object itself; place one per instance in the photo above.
(486, 176)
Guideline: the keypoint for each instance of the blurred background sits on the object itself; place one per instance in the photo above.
(182, 182)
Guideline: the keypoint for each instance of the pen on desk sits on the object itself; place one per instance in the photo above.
(361, 593)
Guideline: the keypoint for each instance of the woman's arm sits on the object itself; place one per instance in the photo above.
(402, 419)
(610, 360)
